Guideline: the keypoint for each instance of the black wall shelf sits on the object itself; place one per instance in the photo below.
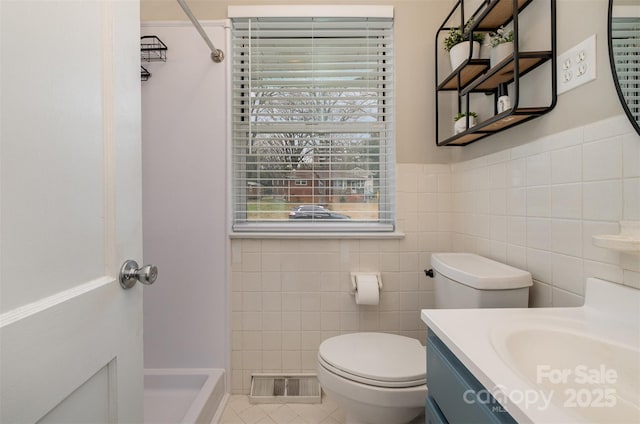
(504, 72)
(144, 74)
(152, 49)
(477, 76)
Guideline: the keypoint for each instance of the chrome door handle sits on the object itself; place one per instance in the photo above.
(130, 273)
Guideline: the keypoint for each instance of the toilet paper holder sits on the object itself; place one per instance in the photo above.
(354, 285)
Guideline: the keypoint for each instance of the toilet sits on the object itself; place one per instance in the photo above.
(380, 378)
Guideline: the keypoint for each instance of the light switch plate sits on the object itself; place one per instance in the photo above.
(577, 65)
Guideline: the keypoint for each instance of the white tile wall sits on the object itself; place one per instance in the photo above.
(602, 159)
(566, 165)
(560, 191)
(631, 156)
(535, 206)
(289, 295)
(566, 200)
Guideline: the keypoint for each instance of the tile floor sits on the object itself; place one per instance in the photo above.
(240, 411)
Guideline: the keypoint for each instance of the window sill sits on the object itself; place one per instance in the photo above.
(314, 235)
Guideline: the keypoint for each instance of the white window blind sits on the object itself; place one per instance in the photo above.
(313, 123)
(625, 33)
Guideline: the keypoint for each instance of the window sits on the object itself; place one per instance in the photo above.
(626, 51)
(313, 118)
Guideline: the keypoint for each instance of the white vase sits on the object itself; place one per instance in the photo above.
(500, 52)
(461, 124)
(460, 52)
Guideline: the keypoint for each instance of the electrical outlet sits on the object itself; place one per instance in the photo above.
(577, 65)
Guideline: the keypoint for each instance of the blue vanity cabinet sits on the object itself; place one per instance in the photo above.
(455, 395)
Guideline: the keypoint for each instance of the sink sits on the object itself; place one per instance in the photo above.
(554, 365)
(591, 378)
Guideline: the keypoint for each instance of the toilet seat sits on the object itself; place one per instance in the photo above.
(375, 359)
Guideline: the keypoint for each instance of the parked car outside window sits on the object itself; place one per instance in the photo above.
(314, 212)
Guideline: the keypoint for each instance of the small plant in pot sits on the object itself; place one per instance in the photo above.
(460, 121)
(501, 43)
(458, 44)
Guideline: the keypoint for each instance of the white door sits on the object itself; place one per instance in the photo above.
(70, 211)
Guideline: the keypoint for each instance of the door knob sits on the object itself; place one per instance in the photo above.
(130, 273)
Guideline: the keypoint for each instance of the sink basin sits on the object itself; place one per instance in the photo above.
(590, 378)
(553, 365)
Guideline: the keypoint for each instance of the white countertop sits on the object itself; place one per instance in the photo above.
(611, 314)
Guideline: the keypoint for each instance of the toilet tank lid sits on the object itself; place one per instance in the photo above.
(479, 272)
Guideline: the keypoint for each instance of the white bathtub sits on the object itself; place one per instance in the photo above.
(183, 396)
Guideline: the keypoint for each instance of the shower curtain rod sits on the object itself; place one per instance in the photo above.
(216, 54)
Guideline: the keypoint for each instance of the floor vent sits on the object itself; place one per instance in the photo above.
(277, 388)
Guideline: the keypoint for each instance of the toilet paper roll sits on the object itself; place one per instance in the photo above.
(367, 290)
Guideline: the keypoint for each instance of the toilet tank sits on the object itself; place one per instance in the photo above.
(467, 280)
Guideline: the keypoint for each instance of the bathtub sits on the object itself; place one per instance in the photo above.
(185, 396)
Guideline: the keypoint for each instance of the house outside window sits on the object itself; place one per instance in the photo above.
(313, 117)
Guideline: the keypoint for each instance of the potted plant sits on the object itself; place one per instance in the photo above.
(460, 121)
(458, 44)
(501, 43)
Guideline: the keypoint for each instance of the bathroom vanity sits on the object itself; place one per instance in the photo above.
(455, 395)
(537, 365)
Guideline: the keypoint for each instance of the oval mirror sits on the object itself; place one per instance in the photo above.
(624, 54)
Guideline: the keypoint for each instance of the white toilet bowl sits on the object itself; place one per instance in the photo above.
(376, 378)
(380, 378)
